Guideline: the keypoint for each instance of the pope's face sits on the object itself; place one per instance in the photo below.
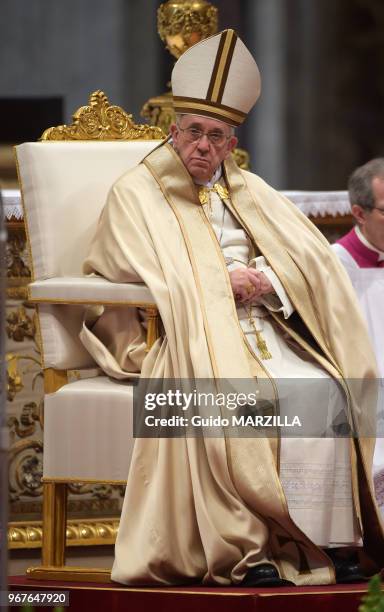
(202, 156)
(371, 222)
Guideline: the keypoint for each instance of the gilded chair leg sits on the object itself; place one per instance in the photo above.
(152, 326)
(54, 523)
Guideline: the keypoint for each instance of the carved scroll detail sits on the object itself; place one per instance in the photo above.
(100, 120)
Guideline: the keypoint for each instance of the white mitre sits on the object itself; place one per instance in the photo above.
(217, 78)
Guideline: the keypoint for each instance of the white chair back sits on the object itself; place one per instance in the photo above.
(64, 187)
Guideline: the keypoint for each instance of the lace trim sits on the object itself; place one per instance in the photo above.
(12, 204)
(320, 203)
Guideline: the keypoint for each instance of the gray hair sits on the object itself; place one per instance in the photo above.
(360, 183)
(179, 117)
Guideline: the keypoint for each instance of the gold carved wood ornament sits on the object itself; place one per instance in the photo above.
(100, 120)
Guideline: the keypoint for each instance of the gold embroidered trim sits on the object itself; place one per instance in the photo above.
(222, 113)
(204, 192)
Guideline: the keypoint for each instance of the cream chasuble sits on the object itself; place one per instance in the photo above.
(209, 508)
(315, 473)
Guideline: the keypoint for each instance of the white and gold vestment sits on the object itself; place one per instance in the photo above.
(209, 508)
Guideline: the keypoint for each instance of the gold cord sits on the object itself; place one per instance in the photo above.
(260, 341)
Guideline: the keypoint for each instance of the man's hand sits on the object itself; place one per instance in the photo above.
(248, 284)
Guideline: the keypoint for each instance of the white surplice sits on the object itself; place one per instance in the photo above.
(369, 287)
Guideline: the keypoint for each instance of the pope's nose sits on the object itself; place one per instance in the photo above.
(203, 144)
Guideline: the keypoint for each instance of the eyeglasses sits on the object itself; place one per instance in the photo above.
(378, 208)
(194, 134)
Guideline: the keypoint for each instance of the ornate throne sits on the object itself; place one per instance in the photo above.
(64, 182)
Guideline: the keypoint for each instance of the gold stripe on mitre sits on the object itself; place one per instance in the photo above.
(221, 67)
(196, 106)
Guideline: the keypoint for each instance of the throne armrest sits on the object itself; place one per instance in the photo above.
(89, 290)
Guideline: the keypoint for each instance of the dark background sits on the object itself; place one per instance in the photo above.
(322, 66)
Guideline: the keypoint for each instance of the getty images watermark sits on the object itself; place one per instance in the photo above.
(309, 408)
(208, 407)
(202, 401)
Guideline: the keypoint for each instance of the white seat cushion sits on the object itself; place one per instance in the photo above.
(88, 431)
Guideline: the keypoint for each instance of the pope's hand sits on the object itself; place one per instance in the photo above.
(248, 284)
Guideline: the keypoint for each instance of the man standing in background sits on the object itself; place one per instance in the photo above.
(361, 251)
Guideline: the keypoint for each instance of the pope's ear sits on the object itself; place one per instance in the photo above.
(232, 143)
(173, 130)
(359, 213)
